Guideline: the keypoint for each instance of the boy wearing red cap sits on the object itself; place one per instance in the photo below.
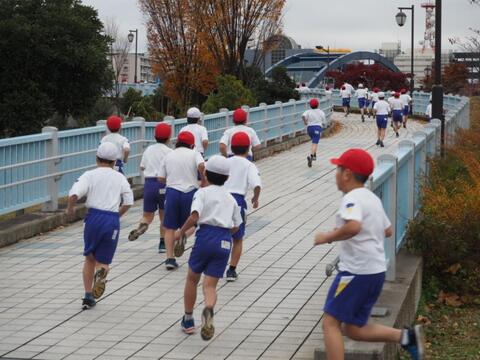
(104, 189)
(345, 94)
(179, 171)
(361, 228)
(315, 120)
(244, 176)
(153, 190)
(397, 112)
(114, 124)
(217, 215)
(407, 103)
(240, 121)
(374, 99)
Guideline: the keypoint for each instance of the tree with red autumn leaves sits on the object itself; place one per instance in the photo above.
(454, 79)
(371, 76)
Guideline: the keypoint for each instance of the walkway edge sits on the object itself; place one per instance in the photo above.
(401, 298)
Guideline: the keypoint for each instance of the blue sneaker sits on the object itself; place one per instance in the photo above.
(161, 247)
(188, 326)
(171, 264)
(416, 343)
(88, 302)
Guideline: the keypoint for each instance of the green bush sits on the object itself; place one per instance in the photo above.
(230, 94)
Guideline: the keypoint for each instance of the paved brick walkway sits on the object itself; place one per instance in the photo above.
(273, 311)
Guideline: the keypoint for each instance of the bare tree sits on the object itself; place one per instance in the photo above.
(119, 50)
(471, 44)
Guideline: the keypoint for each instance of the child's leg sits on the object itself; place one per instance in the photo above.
(373, 333)
(169, 242)
(161, 216)
(210, 291)
(313, 150)
(147, 218)
(332, 335)
(236, 252)
(88, 272)
(190, 292)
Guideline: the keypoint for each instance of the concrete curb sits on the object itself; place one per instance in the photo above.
(401, 298)
(32, 224)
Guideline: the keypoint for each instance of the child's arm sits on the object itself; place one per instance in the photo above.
(234, 229)
(304, 118)
(389, 231)
(72, 200)
(345, 232)
(256, 195)
(125, 155)
(123, 209)
(191, 222)
(201, 170)
(223, 149)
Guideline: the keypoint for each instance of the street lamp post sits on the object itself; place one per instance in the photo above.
(130, 39)
(437, 88)
(327, 50)
(401, 18)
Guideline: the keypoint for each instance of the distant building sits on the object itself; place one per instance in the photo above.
(144, 69)
(390, 50)
(472, 61)
(422, 60)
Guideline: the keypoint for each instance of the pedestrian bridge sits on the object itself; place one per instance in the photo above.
(274, 309)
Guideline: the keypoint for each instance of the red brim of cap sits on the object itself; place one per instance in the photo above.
(336, 161)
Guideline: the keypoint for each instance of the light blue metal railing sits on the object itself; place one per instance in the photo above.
(38, 169)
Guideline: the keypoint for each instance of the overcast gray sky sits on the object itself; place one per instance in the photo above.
(353, 24)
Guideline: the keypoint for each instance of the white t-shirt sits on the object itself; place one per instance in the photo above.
(428, 112)
(374, 96)
(345, 93)
(315, 117)
(405, 99)
(216, 207)
(200, 133)
(121, 142)
(227, 137)
(390, 99)
(396, 104)
(244, 175)
(382, 107)
(303, 89)
(152, 159)
(104, 188)
(349, 88)
(180, 168)
(364, 253)
(361, 93)
(328, 94)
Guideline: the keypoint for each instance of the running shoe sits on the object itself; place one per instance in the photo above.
(188, 326)
(231, 275)
(99, 281)
(161, 247)
(171, 264)
(179, 248)
(134, 234)
(309, 161)
(88, 302)
(208, 330)
(416, 344)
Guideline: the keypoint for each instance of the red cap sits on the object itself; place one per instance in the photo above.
(239, 116)
(397, 94)
(403, 91)
(163, 131)
(186, 137)
(240, 139)
(343, 87)
(114, 123)
(357, 160)
(327, 88)
(314, 103)
(376, 89)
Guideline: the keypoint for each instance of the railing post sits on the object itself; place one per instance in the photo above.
(281, 121)
(438, 140)
(294, 127)
(410, 146)
(392, 241)
(52, 182)
(139, 180)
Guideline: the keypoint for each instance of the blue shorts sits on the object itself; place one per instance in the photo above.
(373, 103)
(118, 166)
(243, 206)
(382, 121)
(406, 110)
(100, 234)
(352, 297)
(153, 195)
(397, 115)
(367, 103)
(362, 103)
(346, 102)
(211, 251)
(315, 132)
(177, 208)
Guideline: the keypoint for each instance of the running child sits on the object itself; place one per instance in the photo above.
(104, 189)
(407, 103)
(179, 171)
(361, 228)
(381, 111)
(328, 92)
(154, 190)
(315, 120)
(244, 176)
(361, 94)
(240, 124)
(199, 131)
(397, 113)
(345, 94)
(217, 216)
(114, 124)
(374, 96)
